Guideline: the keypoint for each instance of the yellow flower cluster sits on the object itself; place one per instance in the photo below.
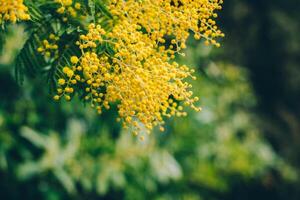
(175, 18)
(68, 7)
(141, 77)
(13, 10)
(48, 47)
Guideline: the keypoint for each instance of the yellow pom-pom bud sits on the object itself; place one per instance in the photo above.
(74, 59)
(59, 91)
(60, 10)
(67, 97)
(77, 6)
(70, 73)
(61, 81)
(56, 97)
(66, 70)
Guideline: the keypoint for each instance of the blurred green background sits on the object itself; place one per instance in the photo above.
(245, 144)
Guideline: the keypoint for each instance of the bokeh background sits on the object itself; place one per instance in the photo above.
(245, 144)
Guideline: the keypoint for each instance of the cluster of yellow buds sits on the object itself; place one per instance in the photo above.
(49, 47)
(138, 77)
(172, 18)
(13, 10)
(89, 69)
(141, 76)
(68, 7)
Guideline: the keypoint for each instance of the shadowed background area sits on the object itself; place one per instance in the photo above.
(245, 143)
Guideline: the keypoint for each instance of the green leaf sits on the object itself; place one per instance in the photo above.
(102, 8)
(91, 4)
(109, 49)
(30, 62)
